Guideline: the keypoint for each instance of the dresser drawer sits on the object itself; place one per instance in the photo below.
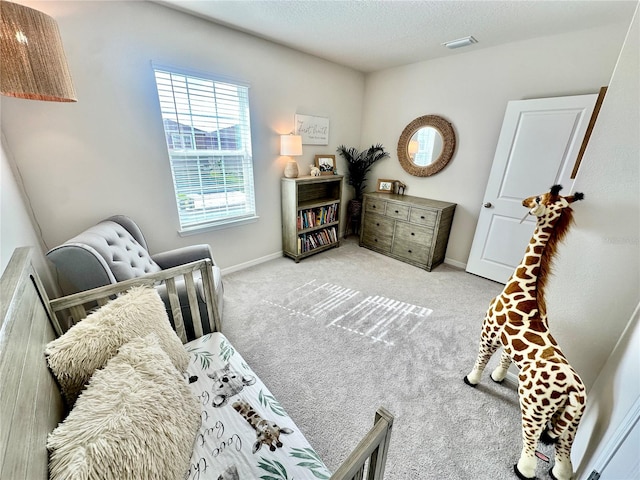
(375, 205)
(418, 234)
(412, 242)
(413, 252)
(377, 232)
(423, 216)
(397, 211)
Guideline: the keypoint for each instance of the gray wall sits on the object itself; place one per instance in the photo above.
(471, 90)
(17, 228)
(106, 154)
(598, 285)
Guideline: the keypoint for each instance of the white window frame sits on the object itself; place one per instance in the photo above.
(213, 178)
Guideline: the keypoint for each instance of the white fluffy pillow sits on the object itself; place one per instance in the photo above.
(88, 345)
(137, 419)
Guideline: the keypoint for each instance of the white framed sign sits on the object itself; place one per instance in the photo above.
(313, 130)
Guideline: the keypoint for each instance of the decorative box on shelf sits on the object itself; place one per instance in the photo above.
(411, 229)
(310, 214)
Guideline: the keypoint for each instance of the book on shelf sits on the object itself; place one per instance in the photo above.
(313, 240)
(314, 217)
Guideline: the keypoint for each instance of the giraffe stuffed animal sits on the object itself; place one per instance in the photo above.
(552, 395)
(267, 432)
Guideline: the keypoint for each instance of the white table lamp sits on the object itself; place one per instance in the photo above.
(291, 146)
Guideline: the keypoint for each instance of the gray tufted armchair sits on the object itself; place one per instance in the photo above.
(115, 250)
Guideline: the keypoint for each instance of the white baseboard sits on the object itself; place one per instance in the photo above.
(455, 263)
(251, 263)
(272, 256)
(512, 379)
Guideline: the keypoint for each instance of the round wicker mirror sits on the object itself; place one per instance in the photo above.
(426, 145)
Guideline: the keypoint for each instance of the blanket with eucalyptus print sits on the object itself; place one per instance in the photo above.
(245, 433)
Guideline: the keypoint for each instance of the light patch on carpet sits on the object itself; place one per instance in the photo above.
(378, 318)
(382, 319)
(312, 300)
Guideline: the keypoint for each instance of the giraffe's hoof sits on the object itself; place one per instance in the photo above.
(466, 380)
(547, 439)
(500, 382)
(551, 474)
(521, 476)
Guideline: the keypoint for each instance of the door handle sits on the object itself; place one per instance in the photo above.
(488, 205)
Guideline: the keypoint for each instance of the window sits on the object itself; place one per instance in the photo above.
(206, 125)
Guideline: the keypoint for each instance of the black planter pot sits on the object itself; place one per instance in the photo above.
(354, 209)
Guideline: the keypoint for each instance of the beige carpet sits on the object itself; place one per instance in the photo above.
(347, 330)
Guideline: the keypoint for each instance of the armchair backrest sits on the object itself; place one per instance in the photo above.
(130, 226)
(112, 251)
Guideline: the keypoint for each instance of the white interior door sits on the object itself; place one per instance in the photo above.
(537, 148)
(625, 461)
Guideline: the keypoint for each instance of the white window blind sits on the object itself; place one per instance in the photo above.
(206, 124)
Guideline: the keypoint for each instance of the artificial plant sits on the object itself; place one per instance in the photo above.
(359, 163)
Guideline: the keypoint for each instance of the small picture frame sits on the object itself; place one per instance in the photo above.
(385, 185)
(326, 164)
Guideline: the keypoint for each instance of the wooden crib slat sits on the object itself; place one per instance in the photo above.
(103, 301)
(176, 311)
(360, 473)
(78, 312)
(373, 447)
(378, 459)
(193, 304)
(213, 313)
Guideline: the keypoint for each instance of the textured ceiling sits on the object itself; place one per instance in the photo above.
(371, 35)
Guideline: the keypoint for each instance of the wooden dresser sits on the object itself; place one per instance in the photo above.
(412, 229)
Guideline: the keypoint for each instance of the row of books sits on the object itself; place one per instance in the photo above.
(314, 217)
(309, 241)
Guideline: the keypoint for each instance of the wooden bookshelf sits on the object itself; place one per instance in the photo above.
(310, 215)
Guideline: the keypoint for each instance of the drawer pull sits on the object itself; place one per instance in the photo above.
(412, 233)
(373, 206)
(421, 217)
(375, 239)
(397, 211)
(409, 251)
(377, 224)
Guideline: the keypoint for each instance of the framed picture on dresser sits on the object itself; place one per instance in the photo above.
(384, 185)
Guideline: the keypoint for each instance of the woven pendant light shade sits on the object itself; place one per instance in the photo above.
(32, 61)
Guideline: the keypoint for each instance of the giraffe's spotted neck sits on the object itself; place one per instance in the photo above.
(526, 277)
(530, 277)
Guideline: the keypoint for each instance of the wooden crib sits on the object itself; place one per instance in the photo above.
(31, 405)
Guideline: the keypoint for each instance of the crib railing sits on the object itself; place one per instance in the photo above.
(69, 310)
(370, 455)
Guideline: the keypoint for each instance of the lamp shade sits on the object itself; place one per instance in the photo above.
(291, 145)
(34, 65)
(413, 147)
